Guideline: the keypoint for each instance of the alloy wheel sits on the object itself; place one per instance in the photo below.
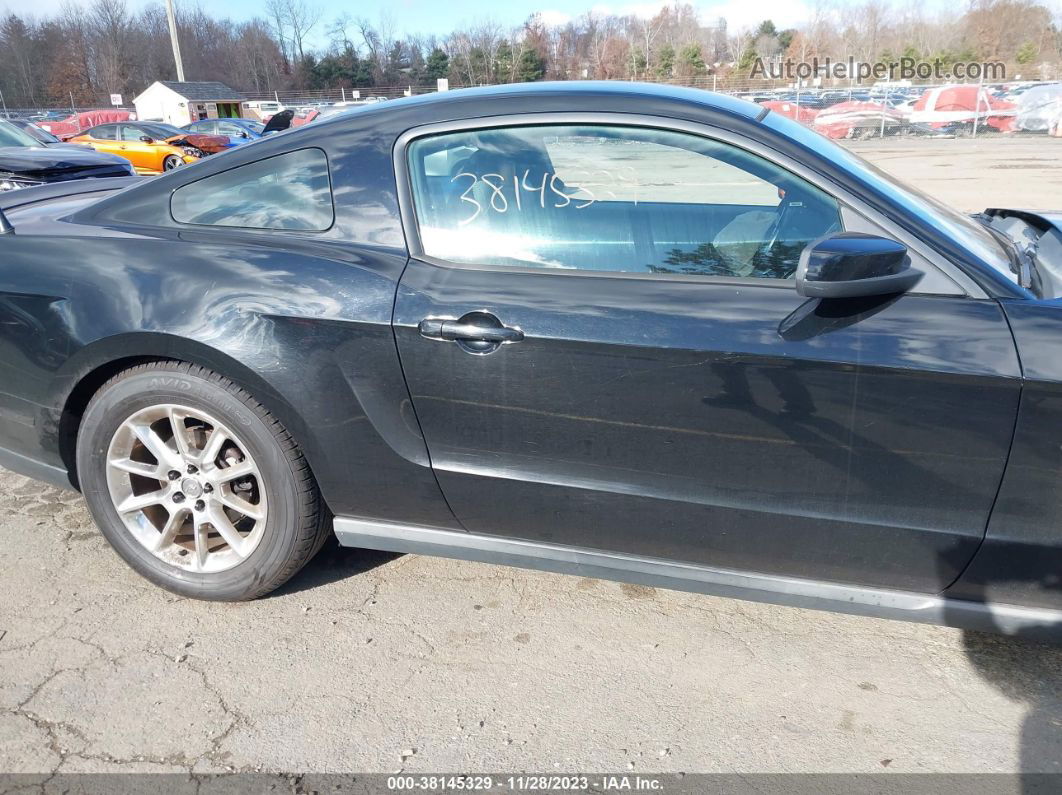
(186, 487)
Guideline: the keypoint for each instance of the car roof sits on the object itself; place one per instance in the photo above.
(576, 88)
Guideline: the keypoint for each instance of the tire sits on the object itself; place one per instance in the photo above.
(171, 162)
(281, 522)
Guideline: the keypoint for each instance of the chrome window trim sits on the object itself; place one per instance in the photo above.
(965, 285)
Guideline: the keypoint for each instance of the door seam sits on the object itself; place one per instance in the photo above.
(412, 405)
(1006, 459)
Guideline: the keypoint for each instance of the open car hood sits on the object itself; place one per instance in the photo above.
(1040, 233)
(1041, 218)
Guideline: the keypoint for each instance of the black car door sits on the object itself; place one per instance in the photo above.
(605, 349)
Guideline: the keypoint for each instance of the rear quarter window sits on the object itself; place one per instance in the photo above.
(290, 191)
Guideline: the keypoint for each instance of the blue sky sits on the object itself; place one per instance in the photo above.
(434, 16)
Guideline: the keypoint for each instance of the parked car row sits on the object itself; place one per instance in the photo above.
(152, 147)
(122, 145)
(940, 110)
(950, 109)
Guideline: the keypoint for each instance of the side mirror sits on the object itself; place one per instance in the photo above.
(244, 135)
(146, 139)
(854, 265)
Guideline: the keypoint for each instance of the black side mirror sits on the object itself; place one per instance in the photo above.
(853, 265)
(146, 139)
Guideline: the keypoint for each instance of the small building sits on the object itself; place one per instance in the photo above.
(180, 103)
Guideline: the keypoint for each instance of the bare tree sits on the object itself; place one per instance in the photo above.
(302, 17)
(109, 22)
(93, 48)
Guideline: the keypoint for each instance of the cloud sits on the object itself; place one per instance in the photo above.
(553, 18)
(41, 8)
(643, 10)
(739, 14)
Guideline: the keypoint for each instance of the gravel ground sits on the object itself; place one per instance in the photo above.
(375, 662)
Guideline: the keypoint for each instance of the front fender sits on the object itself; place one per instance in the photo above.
(1020, 561)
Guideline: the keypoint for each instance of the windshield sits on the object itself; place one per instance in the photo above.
(973, 235)
(35, 132)
(10, 135)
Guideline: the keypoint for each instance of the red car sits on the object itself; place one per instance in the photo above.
(77, 123)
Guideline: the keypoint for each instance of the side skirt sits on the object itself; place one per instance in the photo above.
(900, 605)
(54, 476)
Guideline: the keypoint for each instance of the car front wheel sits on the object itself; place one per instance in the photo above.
(196, 485)
(171, 162)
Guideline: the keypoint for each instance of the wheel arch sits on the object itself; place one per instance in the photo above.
(91, 367)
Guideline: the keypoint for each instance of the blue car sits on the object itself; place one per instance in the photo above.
(238, 131)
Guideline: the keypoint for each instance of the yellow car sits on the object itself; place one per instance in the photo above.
(141, 143)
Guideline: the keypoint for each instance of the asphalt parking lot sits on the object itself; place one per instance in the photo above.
(374, 662)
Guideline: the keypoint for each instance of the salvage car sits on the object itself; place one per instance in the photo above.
(237, 131)
(25, 162)
(205, 143)
(152, 147)
(643, 333)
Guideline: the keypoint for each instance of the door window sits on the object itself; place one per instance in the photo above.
(609, 198)
(105, 132)
(128, 133)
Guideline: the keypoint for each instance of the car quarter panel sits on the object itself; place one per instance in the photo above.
(303, 325)
(1020, 561)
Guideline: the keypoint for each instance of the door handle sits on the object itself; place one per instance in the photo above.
(460, 330)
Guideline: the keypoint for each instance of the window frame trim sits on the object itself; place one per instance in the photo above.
(848, 201)
(259, 229)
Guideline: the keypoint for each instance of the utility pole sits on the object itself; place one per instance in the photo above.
(977, 107)
(173, 40)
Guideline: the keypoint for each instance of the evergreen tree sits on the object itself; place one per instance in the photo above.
(691, 59)
(1027, 53)
(437, 65)
(665, 61)
(531, 67)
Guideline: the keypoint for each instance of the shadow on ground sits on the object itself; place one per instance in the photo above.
(1029, 673)
(333, 563)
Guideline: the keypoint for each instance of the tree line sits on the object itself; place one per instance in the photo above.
(85, 52)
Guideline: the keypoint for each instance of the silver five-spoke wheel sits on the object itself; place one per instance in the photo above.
(187, 488)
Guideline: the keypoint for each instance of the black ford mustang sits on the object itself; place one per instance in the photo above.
(642, 333)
